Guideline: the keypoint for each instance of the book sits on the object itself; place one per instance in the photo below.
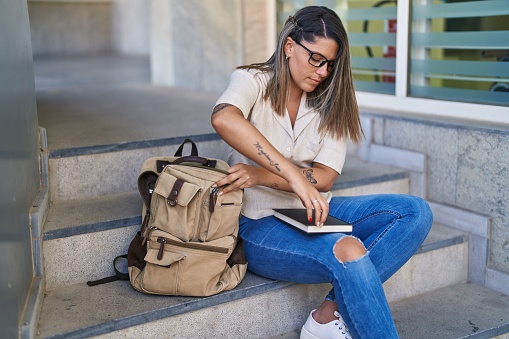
(298, 217)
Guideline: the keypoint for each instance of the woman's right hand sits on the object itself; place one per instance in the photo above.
(241, 176)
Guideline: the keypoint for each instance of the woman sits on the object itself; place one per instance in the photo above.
(287, 121)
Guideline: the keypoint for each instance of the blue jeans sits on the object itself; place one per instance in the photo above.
(391, 227)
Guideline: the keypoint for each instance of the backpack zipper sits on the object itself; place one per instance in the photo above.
(146, 236)
(194, 246)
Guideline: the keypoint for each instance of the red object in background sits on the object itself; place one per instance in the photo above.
(390, 51)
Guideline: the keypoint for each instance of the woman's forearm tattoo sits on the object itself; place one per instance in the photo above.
(308, 173)
(262, 152)
(220, 107)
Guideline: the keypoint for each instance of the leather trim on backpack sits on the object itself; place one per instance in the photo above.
(237, 257)
(137, 252)
(175, 191)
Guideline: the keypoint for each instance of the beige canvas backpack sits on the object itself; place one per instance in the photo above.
(189, 231)
(188, 244)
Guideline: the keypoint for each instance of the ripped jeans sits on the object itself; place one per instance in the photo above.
(391, 227)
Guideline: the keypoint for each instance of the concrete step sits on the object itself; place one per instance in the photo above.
(90, 232)
(87, 172)
(95, 131)
(457, 311)
(116, 310)
(102, 170)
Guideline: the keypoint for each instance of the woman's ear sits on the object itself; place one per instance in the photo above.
(288, 47)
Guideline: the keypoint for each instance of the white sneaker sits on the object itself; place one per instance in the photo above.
(336, 329)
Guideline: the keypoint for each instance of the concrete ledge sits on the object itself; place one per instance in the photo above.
(100, 174)
(478, 228)
(87, 256)
(80, 311)
(463, 220)
(399, 186)
(38, 213)
(438, 314)
(261, 316)
(357, 172)
(437, 264)
(413, 162)
(409, 160)
(90, 257)
(498, 281)
(130, 145)
(28, 325)
(38, 216)
(459, 311)
(82, 216)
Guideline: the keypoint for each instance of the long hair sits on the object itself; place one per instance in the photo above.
(334, 98)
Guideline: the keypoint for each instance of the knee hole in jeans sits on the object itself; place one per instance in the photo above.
(348, 249)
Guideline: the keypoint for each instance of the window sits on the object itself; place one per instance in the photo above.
(460, 51)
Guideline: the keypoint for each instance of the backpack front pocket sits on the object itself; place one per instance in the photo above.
(220, 216)
(162, 273)
(172, 206)
(177, 268)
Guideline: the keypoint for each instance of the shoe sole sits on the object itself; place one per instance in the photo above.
(306, 335)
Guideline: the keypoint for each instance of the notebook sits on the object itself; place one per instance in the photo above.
(298, 217)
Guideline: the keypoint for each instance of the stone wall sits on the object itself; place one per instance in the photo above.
(89, 27)
(131, 27)
(258, 27)
(70, 28)
(468, 168)
(197, 44)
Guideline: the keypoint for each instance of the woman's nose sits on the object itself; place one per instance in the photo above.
(322, 71)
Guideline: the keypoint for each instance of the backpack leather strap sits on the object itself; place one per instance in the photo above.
(175, 191)
(194, 149)
(118, 275)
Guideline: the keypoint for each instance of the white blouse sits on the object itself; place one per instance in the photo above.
(302, 144)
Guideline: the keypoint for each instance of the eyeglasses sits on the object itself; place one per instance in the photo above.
(316, 59)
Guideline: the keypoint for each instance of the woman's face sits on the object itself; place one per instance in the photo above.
(306, 77)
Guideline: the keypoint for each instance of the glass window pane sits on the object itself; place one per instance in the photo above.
(460, 51)
(371, 27)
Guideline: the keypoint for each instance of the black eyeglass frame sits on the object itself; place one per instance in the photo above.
(330, 63)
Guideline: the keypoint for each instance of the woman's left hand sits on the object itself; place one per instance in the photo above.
(312, 200)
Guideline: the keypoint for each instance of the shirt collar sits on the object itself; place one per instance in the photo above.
(304, 116)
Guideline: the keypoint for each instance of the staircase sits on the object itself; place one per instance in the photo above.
(98, 137)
